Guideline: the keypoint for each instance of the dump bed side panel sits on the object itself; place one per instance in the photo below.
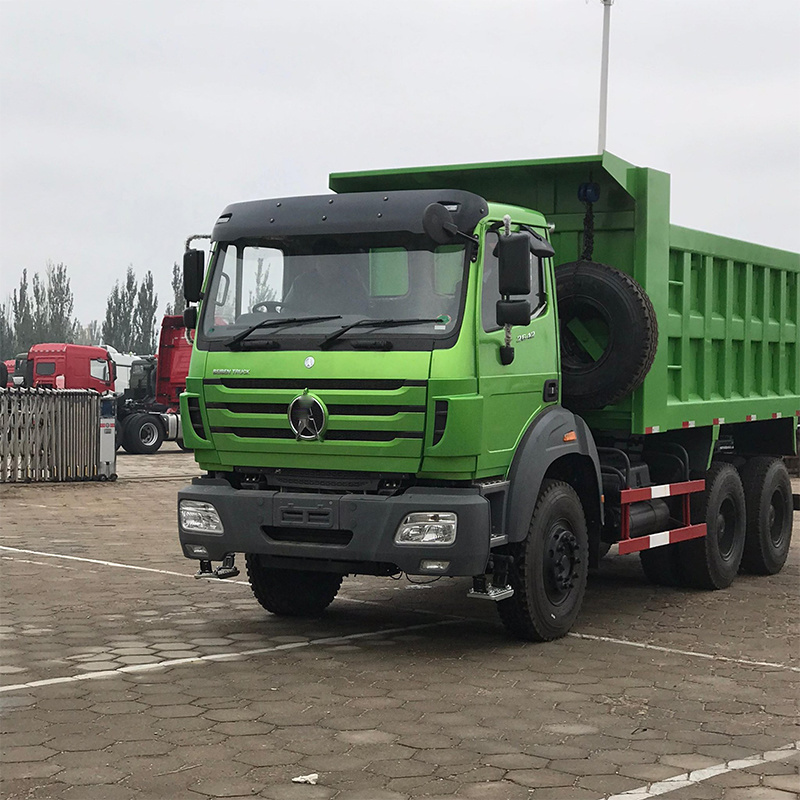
(730, 334)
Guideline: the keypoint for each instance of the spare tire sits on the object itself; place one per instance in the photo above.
(609, 334)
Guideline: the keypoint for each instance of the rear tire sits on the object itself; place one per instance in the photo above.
(291, 593)
(713, 561)
(550, 568)
(768, 498)
(143, 434)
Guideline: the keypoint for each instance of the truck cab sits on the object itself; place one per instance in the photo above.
(69, 366)
(355, 371)
(147, 411)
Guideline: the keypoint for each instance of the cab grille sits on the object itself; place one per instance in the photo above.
(381, 411)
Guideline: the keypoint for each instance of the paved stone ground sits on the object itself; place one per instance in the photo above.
(123, 682)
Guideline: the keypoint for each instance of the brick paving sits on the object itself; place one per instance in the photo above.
(160, 686)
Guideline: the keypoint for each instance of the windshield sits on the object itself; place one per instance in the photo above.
(318, 284)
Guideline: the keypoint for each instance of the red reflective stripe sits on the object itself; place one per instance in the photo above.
(659, 539)
(674, 489)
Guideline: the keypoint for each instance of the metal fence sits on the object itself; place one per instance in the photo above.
(49, 435)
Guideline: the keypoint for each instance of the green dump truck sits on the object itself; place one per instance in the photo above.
(494, 370)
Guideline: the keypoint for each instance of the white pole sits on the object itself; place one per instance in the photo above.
(601, 138)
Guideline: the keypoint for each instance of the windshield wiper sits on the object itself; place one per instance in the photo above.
(275, 323)
(374, 323)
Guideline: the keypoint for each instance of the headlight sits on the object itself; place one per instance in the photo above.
(427, 527)
(198, 516)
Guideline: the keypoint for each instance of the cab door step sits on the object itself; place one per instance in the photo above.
(226, 569)
(496, 589)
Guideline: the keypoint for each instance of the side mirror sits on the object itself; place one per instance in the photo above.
(513, 312)
(541, 248)
(193, 268)
(438, 223)
(514, 264)
(190, 318)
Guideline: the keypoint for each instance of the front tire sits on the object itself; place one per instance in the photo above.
(713, 561)
(289, 592)
(550, 568)
(768, 498)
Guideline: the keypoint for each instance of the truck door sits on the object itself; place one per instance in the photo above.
(515, 393)
(100, 374)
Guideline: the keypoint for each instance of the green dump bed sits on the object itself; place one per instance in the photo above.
(728, 311)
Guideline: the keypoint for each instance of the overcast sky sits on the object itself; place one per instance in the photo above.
(127, 126)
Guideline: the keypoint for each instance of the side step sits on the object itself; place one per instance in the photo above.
(499, 587)
(493, 593)
(226, 569)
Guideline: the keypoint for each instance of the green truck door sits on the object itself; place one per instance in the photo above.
(513, 394)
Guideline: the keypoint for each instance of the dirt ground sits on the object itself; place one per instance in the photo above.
(123, 677)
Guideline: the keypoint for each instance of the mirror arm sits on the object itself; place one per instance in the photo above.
(468, 236)
(506, 349)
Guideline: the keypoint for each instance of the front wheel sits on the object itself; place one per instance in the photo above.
(550, 568)
(290, 592)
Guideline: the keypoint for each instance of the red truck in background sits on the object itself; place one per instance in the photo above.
(7, 374)
(148, 411)
(66, 366)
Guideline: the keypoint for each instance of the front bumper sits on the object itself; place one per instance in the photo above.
(348, 532)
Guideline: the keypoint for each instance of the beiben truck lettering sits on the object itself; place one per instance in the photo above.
(487, 372)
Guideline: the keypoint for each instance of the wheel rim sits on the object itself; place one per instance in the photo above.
(148, 434)
(586, 335)
(560, 563)
(726, 528)
(775, 519)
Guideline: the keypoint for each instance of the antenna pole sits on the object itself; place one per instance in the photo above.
(601, 137)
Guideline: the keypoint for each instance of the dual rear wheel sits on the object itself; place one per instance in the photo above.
(749, 517)
(142, 433)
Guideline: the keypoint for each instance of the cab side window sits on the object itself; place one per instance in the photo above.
(98, 368)
(490, 288)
